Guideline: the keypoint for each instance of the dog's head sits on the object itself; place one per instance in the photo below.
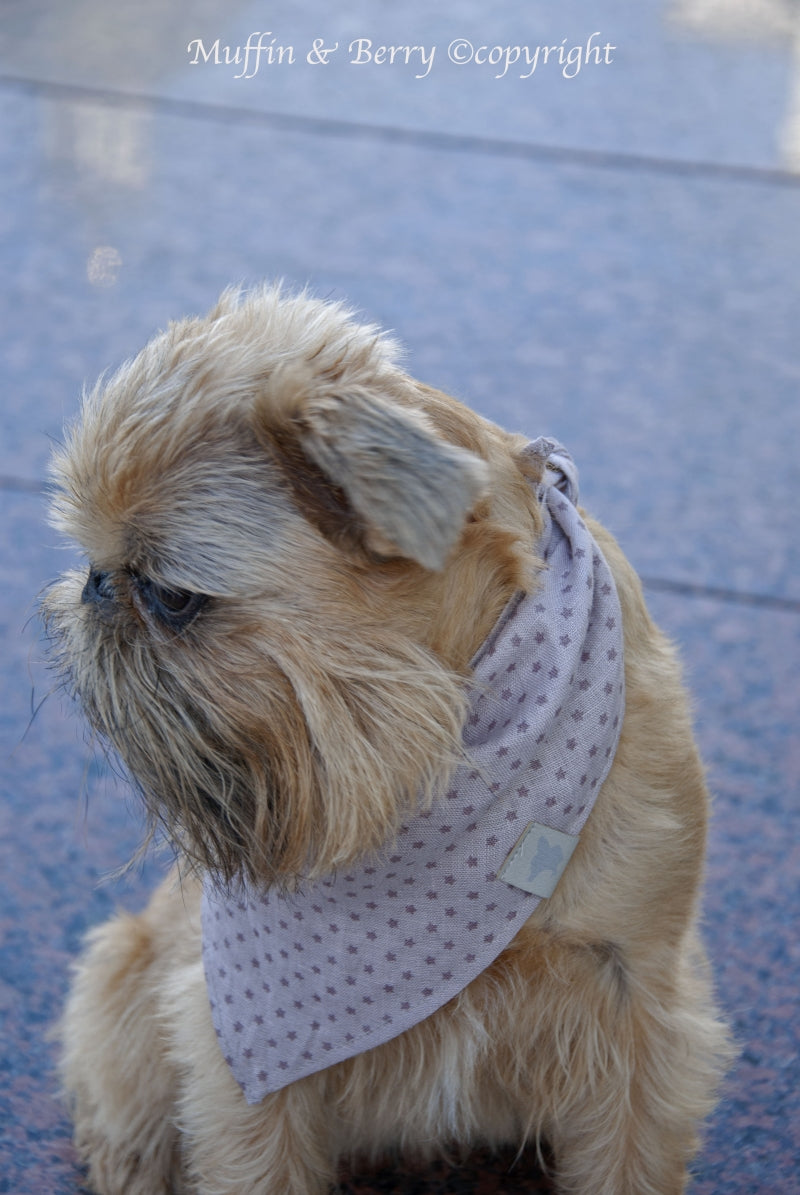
(270, 631)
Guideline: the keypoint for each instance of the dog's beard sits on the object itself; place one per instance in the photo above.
(267, 752)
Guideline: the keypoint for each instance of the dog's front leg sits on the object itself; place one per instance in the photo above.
(285, 1145)
(639, 1058)
(115, 1069)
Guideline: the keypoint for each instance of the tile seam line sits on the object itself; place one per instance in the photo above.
(395, 134)
(21, 485)
(718, 593)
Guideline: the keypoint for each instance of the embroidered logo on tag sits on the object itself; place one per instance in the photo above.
(537, 862)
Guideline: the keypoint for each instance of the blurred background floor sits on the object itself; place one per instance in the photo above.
(603, 247)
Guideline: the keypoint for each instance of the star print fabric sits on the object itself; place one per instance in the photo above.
(300, 981)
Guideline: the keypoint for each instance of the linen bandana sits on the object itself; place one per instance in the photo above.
(300, 981)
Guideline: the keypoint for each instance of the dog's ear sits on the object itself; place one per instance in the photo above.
(363, 467)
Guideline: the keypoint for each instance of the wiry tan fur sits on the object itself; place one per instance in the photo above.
(356, 535)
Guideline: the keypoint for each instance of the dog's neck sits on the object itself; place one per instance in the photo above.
(453, 612)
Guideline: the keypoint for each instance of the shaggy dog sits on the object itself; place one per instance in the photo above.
(427, 765)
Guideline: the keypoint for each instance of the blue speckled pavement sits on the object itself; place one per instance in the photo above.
(606, 250)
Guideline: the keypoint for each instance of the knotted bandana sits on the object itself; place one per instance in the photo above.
(300, 981)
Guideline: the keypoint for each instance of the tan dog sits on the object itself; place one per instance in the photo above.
(297, 553)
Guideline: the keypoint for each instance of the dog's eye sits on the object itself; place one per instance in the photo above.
(174, 608)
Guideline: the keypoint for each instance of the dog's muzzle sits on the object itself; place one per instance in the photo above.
(99, 591)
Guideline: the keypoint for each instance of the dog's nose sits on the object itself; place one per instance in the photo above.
(98, 587)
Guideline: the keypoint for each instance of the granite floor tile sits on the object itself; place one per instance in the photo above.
(647, 321)
(741, 665)
(702, 82)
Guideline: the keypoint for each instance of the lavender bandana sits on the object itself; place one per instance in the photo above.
(298, 982)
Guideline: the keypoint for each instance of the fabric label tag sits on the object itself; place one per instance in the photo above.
(537, 862)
